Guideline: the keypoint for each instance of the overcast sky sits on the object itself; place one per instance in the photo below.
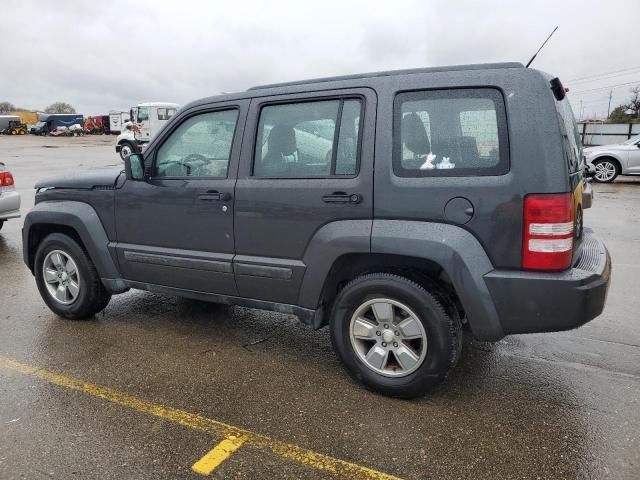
(108, 54)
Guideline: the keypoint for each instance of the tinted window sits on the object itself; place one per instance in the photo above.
(297, 140)
(199, 147)
(450, 133)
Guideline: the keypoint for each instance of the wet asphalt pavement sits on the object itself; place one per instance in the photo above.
(564, 405)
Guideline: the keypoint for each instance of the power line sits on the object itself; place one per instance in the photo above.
(605, 87)
(604, 74)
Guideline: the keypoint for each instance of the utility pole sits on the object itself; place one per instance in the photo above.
(609, 107)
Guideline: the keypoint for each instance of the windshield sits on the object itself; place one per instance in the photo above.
(41, 124)
(632, 140)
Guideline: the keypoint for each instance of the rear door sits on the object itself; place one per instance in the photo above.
(304, 165)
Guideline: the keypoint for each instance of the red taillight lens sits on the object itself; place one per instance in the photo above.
(6, 179)
(548, 232)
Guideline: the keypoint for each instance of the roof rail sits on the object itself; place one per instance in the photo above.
(451, 68)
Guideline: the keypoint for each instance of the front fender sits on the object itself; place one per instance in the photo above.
(461, 256)
(84, 220)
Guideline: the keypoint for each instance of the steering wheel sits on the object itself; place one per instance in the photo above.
(192, 158)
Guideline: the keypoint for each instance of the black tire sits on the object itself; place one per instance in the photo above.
(92, 297)
(443, 330)
(608, 162)
(129, 146)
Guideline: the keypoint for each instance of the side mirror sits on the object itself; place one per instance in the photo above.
(134, 167)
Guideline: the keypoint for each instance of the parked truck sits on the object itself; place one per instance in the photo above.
(49, 122)
(147, 119)
(117, 118)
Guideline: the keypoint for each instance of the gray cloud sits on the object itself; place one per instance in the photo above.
(104, 55)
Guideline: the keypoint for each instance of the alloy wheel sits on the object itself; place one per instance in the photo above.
(388, 337)
(605, 171)
(61, 277)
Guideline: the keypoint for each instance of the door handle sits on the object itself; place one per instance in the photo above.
(214, 195)
(342, 198)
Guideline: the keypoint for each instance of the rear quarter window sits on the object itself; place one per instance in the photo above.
(456, 132)
(570, 136)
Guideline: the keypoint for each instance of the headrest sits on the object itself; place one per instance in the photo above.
(282, 141)
(414, 135)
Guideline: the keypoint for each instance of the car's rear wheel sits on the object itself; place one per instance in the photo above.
(606, 170)
(394, 336)
(67, 279)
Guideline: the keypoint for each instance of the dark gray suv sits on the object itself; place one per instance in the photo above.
(394, 207)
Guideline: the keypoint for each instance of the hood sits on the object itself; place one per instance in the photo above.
(99, 178)
(600, 148)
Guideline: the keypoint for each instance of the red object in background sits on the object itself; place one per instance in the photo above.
(6, 179)
(95, 122)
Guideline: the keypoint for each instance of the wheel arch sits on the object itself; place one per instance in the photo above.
(79, 221)
(445, 258)
(610, 156)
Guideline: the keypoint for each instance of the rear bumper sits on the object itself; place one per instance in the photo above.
(9, 205)
(529, 302)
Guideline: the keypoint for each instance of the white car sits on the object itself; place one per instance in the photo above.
(610, 161)
(9, 197)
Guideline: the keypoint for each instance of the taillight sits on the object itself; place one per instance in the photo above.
(6, 179)
(548, 232)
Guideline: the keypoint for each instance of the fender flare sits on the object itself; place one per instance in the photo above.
(329, 243)
(84, 220)
(461, 256)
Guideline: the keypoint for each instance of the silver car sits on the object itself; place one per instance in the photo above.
(610, 161)
(9, 197)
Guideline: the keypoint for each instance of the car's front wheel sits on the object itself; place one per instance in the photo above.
(67, 279)
(606, 170)
(394, 336)
(126, 149)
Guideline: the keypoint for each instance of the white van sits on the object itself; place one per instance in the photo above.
(146, 121)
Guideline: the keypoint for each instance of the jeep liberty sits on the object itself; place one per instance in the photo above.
(394, 207)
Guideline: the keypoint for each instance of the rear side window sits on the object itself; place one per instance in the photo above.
(570, 135)
(166, 113)
(308, 139)
(459, 132)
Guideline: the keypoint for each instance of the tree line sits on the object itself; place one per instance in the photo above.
(628, 112)
(57, 107)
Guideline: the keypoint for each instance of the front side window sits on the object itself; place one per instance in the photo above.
(450, 133)
(143, 114)
(199, 147)
(310, 139)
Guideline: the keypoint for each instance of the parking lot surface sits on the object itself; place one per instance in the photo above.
(155, 383)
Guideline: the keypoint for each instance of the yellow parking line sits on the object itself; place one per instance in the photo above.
(340, 468)
(218, 454)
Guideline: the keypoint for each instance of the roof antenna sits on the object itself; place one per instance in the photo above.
(541, 47)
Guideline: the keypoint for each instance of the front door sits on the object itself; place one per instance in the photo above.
(633, 160)
(304, 165)
(176, 228)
